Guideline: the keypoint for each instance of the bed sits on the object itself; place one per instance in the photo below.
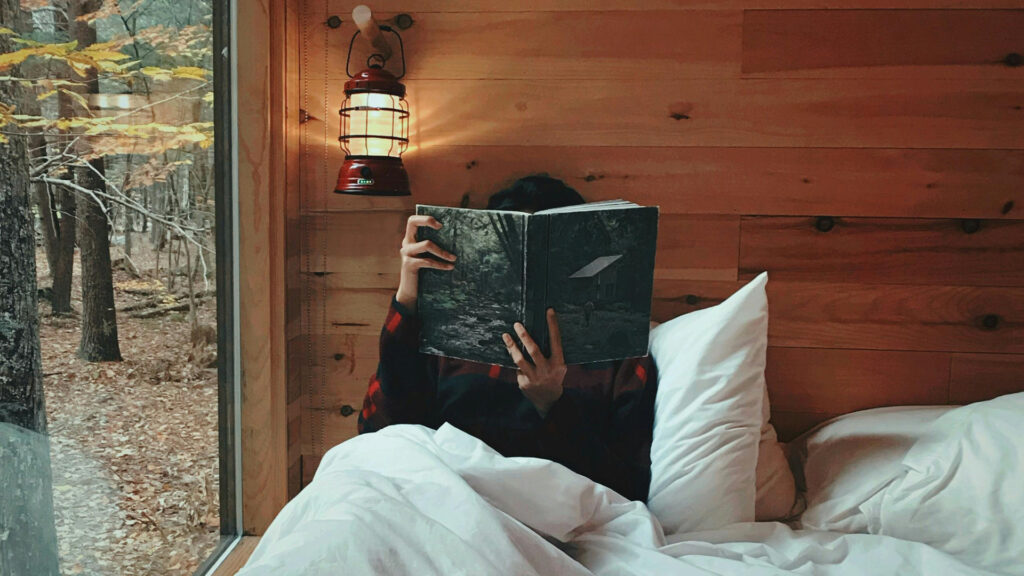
(900, 491)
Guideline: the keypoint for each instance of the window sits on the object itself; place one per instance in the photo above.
(118, 389)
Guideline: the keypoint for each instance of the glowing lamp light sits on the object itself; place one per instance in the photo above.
(374, 130)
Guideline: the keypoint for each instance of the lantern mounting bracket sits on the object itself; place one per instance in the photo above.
(376, 56)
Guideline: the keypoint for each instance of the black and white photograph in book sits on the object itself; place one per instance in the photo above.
(600, 276)
(464, 311)
(593, 263)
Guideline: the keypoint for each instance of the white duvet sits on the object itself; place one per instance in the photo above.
(411, 500)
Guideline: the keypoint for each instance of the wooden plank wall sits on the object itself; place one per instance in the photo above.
(262, 154)
(870, 156)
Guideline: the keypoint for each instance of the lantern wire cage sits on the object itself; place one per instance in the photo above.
(380, 117)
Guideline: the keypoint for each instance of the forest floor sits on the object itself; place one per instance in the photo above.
(134, 444)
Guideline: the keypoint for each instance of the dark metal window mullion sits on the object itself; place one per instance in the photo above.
(227, 411)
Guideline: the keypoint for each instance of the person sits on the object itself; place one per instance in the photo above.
(596, 419)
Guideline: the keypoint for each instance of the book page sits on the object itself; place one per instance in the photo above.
(600, 277)
(464, 311)
(589, 206)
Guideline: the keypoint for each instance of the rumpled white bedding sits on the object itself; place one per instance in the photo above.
(411, 500)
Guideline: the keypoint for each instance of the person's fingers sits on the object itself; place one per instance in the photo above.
(417, 263)
(530, 345)
(415, 222)
(427, 246)
(421, 247)
(517, 357)
(555, 336)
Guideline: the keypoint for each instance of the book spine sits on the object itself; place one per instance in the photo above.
(536, 280)
(523, 307)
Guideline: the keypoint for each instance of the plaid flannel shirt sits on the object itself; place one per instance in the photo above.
(601, 426)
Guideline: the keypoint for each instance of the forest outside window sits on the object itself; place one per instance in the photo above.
(117, 419)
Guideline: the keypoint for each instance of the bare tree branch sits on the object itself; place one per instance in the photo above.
(185, 232)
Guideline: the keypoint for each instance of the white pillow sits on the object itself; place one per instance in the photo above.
(707, 419)
(843, 463)
(776, 488)
(962, 490)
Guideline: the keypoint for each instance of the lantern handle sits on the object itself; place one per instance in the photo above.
(401, 49)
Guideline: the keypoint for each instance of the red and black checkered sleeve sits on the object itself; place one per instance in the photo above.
(616, 452)
(402, 389)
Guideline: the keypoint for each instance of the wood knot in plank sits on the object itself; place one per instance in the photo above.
(680, 111)
(990, 321)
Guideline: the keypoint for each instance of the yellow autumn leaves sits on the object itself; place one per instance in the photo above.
(6, 114)
(101, 56)
(104, 56)
(191, 72)
(117, 134)
(115, 137)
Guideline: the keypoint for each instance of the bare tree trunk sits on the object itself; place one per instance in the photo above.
(29, 542)
(63, 268)
(56, 207)
(63, 265)
(129, 218)
(173, 248)
(47, 218)
(157, 231)
(158, 206)
(193, 315)
(146, 204)
(99, 320)
(21, 391)
(59, 231)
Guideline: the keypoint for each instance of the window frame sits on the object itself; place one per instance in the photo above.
(226, 217)
(257, 157)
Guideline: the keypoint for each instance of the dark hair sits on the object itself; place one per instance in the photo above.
(533, 193)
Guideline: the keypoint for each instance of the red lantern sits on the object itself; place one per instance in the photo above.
(374, 130)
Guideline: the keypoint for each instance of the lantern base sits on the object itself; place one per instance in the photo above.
(373, 176)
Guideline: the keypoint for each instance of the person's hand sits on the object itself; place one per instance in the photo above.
(541, 380)
(414, 257)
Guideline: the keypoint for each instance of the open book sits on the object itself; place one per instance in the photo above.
(593, 263)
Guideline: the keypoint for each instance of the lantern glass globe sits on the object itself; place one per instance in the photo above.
(375, 124)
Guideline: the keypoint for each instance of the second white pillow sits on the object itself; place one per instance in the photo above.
(960, 489)
(707, 419)
(844, 463)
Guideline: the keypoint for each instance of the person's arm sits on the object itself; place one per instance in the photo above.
(614, 452)
(403, 388)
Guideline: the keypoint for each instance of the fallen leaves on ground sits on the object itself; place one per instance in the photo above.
(134, 444)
